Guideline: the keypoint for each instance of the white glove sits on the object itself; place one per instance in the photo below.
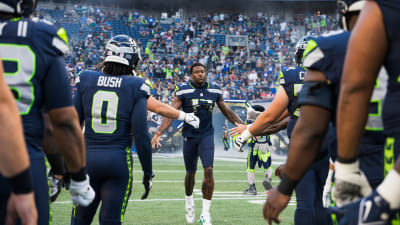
(190, 119)
(82, 194)
(241, 140)
(326, 193)
(350, 183)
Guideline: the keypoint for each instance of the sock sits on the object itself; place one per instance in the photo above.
(389, 189)
(189, 199)
(206, 206)
(268, 173)
(251, 178)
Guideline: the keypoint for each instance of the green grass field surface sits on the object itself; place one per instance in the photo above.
(166, 202)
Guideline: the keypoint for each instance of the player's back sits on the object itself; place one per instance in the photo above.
(106, 104)
(32, 53)
(291, 79)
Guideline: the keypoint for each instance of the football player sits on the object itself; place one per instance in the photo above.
(324, 57)
(199, 97)
(376, 29)
(33, 57)
(14, 160)
(259, 152)
(112, 104)
(309, 192)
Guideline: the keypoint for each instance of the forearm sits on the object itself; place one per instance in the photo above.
(302, 144)
(261, 125)
(276, 127)
(232, 117)
(166, 122)
(307, 138)
(162, 108)
(69, 139)
(13, 153)
(350, 124)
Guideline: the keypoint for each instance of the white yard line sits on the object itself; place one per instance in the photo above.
(199, 181)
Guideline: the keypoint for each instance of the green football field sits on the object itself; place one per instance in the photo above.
(166, 201)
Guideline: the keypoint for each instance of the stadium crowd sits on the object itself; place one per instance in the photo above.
(170, 47)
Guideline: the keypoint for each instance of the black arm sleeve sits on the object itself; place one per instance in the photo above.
(141, 134)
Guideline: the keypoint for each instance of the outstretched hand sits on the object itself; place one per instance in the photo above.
(238, 129)
(155, 142)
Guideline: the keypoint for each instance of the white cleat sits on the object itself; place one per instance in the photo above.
(205, 219)
(190, 217)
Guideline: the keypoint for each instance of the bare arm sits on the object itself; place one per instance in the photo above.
(273, 112)
(228, 113)
(162, 108)
(277, 126)
(13, 154)
(308, 134)
(69, 137)
(359, 74)
(166, 122)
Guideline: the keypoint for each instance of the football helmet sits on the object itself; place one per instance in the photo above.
(253, 112)
(345, 7)
(300, 47)
(122, 49)
(18, 8)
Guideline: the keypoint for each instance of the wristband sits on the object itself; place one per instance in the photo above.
(287, 185)
(21, 183)
(181, 115)
(346, 161)
(80, 175)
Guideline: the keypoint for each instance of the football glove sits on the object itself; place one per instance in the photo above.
(82, 194)
(370, 210)
(55, 185)
(326, 193)
(147, 182)
(350, 183)
(190, 119)
(241, 140)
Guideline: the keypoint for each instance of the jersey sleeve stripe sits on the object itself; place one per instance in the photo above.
(181, 92)
(313, 57)
(60, 45)
(217, 91)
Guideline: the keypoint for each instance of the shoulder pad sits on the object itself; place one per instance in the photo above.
(148, 82)
(145, 87)
(214, 86)
(55, 37)
(318, 48)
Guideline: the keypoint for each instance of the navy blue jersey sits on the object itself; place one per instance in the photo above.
(106, 103)
(291, 79)
(200, 101)
(327, 54)
(391, 110)
(33, 56)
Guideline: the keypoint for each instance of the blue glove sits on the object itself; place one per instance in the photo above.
(369, 210)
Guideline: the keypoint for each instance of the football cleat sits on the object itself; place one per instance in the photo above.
(251, 190)
(190, 216)
(373, 210)
(205, 219)
(267, 184)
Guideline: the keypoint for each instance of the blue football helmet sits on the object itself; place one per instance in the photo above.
(122, 49)
(300, 47)
(18, 8)
(345, 7)
(373, 210)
